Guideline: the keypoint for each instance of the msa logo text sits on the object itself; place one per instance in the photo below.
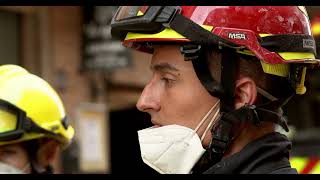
(308, 43)
(237, 36)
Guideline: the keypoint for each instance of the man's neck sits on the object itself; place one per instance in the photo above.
(249, 133)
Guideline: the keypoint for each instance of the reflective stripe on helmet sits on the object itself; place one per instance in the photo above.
(167, 33)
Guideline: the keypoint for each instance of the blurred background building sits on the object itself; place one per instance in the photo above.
(100, 81)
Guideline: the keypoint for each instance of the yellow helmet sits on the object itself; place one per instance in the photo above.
(30, 108)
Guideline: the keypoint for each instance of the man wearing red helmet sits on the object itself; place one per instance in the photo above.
(220, 77)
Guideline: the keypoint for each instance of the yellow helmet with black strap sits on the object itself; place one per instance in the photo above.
(30, 108)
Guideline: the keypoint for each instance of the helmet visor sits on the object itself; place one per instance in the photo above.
(141, 19)
(14, 122)
(126, 12)
(9, 120)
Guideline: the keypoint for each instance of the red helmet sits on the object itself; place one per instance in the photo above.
(277, 35)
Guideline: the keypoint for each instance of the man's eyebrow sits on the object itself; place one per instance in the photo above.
(163, 67)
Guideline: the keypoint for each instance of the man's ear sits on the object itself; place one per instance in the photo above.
(245, 92)
(47, 152)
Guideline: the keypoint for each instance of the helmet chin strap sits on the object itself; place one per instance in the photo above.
(222, 132)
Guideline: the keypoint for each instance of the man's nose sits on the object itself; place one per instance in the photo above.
(149, 99)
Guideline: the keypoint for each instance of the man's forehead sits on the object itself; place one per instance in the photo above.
(163, 67)
(169, 57)
(158, 49)
(166, 54)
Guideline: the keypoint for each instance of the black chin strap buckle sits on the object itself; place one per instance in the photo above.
(253, 114)
(190, 51)
(218, 146)
(221, 137)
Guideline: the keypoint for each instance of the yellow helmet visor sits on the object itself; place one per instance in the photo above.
(8, 121)
(14, 122)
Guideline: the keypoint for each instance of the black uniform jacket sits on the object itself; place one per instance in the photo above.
(266, 155)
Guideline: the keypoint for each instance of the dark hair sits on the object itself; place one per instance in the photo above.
(32, 148)
(250, 66)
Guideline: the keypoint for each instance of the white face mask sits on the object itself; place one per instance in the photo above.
(173, 149)
(8, 169)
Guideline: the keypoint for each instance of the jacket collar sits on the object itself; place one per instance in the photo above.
(264, 155)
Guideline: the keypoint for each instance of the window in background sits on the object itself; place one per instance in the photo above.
(10, 38)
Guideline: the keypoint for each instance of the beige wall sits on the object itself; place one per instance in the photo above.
(65, 35)
(63, 43)
(127, 84)
(61, 51)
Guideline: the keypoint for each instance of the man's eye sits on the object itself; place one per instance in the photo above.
(167, 80)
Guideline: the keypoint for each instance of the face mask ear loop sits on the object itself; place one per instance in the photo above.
(213, 120)
(206, 116)
(28, 165)
(266, 94)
